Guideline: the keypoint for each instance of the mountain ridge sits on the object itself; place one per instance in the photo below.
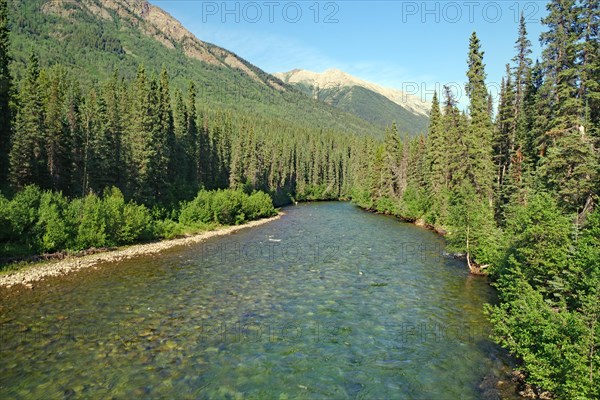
(94, 38)
(333, 76)
(374, 103)
(158, 24)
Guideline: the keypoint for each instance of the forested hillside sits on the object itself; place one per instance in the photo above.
(94, 38)
(516, 194)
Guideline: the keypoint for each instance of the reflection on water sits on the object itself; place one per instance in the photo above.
(327, 302)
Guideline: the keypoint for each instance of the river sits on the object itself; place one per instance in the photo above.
(327, 302)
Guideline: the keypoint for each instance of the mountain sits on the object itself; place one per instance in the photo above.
(373, 103)
(93, 38)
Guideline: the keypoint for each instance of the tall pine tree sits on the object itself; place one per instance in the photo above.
(27, 155)
(5, 92)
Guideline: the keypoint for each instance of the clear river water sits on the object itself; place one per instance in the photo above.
(327, 302)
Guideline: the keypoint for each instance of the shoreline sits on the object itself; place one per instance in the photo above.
(40, 270)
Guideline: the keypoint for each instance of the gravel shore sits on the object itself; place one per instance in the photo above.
(36, 272)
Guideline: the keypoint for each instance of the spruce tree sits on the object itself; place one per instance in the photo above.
(163, 139)
(589, 55)
(195, 144)
(435, 148)
(522, 68)
(504, 142)
(182, 168)
(5, 92)
(560, 65)
(113, 99)
(57, 141)
(454, 127)
(391, 168)
(27, 155)
(569, 168)
(478, 138)
(141, 128)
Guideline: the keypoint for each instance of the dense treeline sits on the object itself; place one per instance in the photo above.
(516, 193)
(159, 147)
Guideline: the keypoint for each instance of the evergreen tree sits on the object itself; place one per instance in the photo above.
(142, 128)
(163, 139)
(504, 147)
(569, 168)
(478, 138)
(73, 100)
(93, 145)
(57, 141)
(454, 127)
(560, 67)
(391, 168)
(523, 157)
(182, 167)
(435, 148)
(27, 156)
(589, 54)
(522, 68)
(113, 99)
(5, 92)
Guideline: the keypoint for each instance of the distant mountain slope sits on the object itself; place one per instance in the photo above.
(371, 102)
(95, 37)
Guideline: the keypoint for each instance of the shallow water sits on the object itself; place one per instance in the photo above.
(327, 302)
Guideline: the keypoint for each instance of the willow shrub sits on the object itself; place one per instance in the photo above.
(37, 221)
(226, 207)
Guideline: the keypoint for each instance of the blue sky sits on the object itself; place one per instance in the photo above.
(408, 45)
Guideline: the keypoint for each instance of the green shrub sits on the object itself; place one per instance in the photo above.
(198, 210)
(92, 224)
(363, 199)
(136, 224)
(385, 205)
(414, 203)
(23, 216)
(258, 205)
(113, 206)
(55, 228)
(228, 207)
(166, 229)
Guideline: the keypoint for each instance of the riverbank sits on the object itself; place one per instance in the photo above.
(31, 273)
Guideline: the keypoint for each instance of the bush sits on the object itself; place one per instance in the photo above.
(385, 205)
(47, 221)
(363, 199)
(414, 203)
(166, 229)
(198, 210)
(258, 205)
(113, 205)
(92, 223)
(23, 216)
(539, 236)
(228, 206)
(136, 224)
(53, 224)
